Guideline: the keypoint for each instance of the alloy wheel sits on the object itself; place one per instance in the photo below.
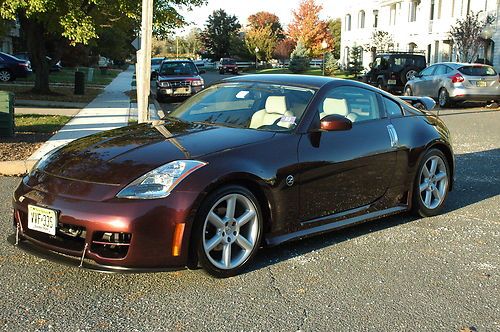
(408, 91)
(443, 98)
(230, 231)
(5, 76)
(410, 74)
(433, 183)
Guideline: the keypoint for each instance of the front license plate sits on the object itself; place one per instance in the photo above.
(42, 219)
(481, 83)
(182, 91)
(391, 82)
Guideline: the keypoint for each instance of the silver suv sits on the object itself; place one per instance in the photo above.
(450, 82)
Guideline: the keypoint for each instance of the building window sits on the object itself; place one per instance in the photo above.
(432, 10)
(436, 51)
(375, 18)
(412, 47)
(392, 17)
(361, 19)
(413, 11)
(348, 22)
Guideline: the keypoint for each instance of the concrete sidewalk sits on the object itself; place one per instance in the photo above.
(108, 111)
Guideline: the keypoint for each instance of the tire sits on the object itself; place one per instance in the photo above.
(444, 98)
(408, 74)
(434, 184)
(221, 71)
(224, 248)
(380, 84)
(408, 91)
(5, 76)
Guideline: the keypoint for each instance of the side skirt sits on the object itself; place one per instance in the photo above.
(272, 241)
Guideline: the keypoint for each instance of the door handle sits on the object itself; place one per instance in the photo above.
(393, 135)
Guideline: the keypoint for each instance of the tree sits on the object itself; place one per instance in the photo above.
(193, 41)
(78, 21)
(220, 29)
(380, 40)
(355, 60)
(262, 38)
(284, 49)
(300, 59)
(466, 35)
(331, 64)
(262, 19)
(335, 28)
(307, 28)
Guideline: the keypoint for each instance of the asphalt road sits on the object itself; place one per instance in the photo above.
(396, 274)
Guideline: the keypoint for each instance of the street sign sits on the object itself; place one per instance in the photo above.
(136, 43)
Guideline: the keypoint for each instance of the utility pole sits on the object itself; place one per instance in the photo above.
(143, 66)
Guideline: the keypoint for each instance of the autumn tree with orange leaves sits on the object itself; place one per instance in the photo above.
(307, 28)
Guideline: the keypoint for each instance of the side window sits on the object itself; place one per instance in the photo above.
(440, 70)
(391, 107)
(354, 103)
(428, 71)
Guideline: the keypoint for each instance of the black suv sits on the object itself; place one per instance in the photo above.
(390, 71)
(178, 78)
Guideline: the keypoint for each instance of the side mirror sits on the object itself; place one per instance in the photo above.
(417, 75)
(202, 71)
(335, 122)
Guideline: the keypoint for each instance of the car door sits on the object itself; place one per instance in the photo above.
(344, 170)
(439, 74)
(423, 82)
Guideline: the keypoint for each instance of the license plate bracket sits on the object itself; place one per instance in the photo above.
(42, 219)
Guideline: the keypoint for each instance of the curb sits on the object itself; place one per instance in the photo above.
(16, 167)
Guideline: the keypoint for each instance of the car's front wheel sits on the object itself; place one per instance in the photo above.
(228, 231)
(5, 75)
(408, 91)
(431, 184)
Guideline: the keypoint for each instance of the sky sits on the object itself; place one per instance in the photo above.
(244, 8)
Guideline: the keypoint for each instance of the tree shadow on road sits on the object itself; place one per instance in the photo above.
(477, 179)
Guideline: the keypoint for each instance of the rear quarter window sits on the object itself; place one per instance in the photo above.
(477, 71)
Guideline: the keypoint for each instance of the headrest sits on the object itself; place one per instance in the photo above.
(335, 106)
(276, 104)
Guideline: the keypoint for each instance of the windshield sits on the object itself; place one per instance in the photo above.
(156, 61)
(247, 105)
(228, 62)
(477, 71)
(178, 69)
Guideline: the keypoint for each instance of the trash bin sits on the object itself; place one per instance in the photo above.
(6, 114)
(79, 83)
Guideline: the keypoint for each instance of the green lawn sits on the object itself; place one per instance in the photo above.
(36, 123)
(60, 93)
(314, 71)
(67, 75)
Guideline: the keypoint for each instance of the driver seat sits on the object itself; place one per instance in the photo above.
(274, 110)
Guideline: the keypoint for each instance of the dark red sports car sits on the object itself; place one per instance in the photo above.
(253, 161)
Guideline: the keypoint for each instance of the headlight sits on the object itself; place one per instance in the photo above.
(164, 84)
(197, 83)
(161, 181)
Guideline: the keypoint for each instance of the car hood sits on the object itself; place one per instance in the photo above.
(177, 78)
(121, 155)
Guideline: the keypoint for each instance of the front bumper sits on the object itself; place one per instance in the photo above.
(179, 92)
(150, 225)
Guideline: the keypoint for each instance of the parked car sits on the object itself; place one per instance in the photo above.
(391, 71)
(244, 163)
(155, 66)
(228, 65)
(54, 67)
(451, 82)
(178, 78)
(12, 68)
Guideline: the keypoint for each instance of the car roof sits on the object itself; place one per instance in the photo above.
(456, 65)
(177, 60)
(309, 81)
(401, 54)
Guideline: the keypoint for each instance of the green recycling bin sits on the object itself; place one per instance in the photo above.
(6, 114)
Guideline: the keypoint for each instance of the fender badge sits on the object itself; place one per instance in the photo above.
(290, 180)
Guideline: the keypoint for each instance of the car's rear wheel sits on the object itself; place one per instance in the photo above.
(444, 98)
(228, 231)
(431, 184)
(5, 75)
(408, 91)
